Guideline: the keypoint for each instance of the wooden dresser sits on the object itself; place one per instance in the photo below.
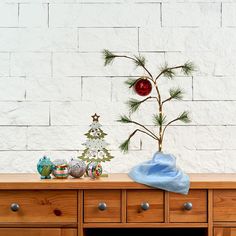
(115, 206)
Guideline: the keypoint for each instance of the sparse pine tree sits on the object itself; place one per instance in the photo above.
(159, 118)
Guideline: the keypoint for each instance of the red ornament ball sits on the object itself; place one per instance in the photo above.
(143, 87)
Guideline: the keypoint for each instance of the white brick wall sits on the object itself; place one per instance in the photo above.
(52, 78)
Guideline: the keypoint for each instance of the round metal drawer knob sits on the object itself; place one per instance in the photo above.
(15, 207)
(188, 206)
(145, 206)
(102, 206)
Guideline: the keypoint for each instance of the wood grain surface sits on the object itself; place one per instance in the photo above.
(37, 232)
(199, 211)
(155, 199)
(224, 205)
(113, 181)
(112, 199)
(39, 206)
(225, 232)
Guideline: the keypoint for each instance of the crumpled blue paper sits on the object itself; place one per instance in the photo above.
(161, 172)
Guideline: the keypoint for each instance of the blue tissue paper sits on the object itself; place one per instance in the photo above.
(161, 172)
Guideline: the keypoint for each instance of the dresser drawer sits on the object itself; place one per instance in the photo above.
(38, 206)
(145, 206)
(225, 231)
(188, 208)
(37, 232)
(102, 206)
(224, 205)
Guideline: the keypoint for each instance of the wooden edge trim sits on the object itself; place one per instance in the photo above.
(210, 212)
(225, 224)
(167, 208)
(39, 225)
(123, 206)
(145, 225)
(80, 213)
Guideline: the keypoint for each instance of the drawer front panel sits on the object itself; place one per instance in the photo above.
(224, 231)
(38, 206)
(37, 232)
(224, 205)
(102, 206)
(188, 208)
(145, 206)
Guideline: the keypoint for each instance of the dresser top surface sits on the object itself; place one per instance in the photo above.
(113, 181)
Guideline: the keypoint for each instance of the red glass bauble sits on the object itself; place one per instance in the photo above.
(143, 87)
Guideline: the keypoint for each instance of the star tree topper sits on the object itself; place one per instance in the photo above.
(95, 144)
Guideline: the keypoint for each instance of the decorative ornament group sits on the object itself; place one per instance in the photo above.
(60, 169)
(94, 153)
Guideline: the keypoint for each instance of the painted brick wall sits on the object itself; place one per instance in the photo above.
(52, 78)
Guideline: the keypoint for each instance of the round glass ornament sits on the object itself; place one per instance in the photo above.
(60, 170)
(45, 167)
(76, 168)
(143, 86)
(94, 170)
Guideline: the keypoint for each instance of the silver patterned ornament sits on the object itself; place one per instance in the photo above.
(76, 168)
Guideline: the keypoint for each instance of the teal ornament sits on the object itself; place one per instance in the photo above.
(94, 170)
(76, 168)
(45, 167)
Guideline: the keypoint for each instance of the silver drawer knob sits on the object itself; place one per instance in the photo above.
(145, 206)
(15, 207)
(102, 206)
(188, 206)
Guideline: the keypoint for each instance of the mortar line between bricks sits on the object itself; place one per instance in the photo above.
(60, 150)
(10, 57)
(221, 14)
(49, 115)
(94, 27)
(103, 27)
(182, 26)
(17, 27)
(111, 95)
(76, 51)
(25, 94)
(102, 3)
(78, 40)
(192, 89)
(138, 37)
(88, 3)
(133, 150)
(82, 88)
(48, 15)
(213, 149)
(91, 101)
(51, 64)
(161, 14)
(113, 125)
(110, 125)
(18, 13)
(24, 126)
(27, 139)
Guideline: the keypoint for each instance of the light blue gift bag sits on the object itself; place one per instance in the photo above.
(161, 172)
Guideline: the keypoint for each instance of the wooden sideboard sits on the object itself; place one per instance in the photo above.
(114, 206)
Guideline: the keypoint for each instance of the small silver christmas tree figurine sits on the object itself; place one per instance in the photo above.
(95, 144)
